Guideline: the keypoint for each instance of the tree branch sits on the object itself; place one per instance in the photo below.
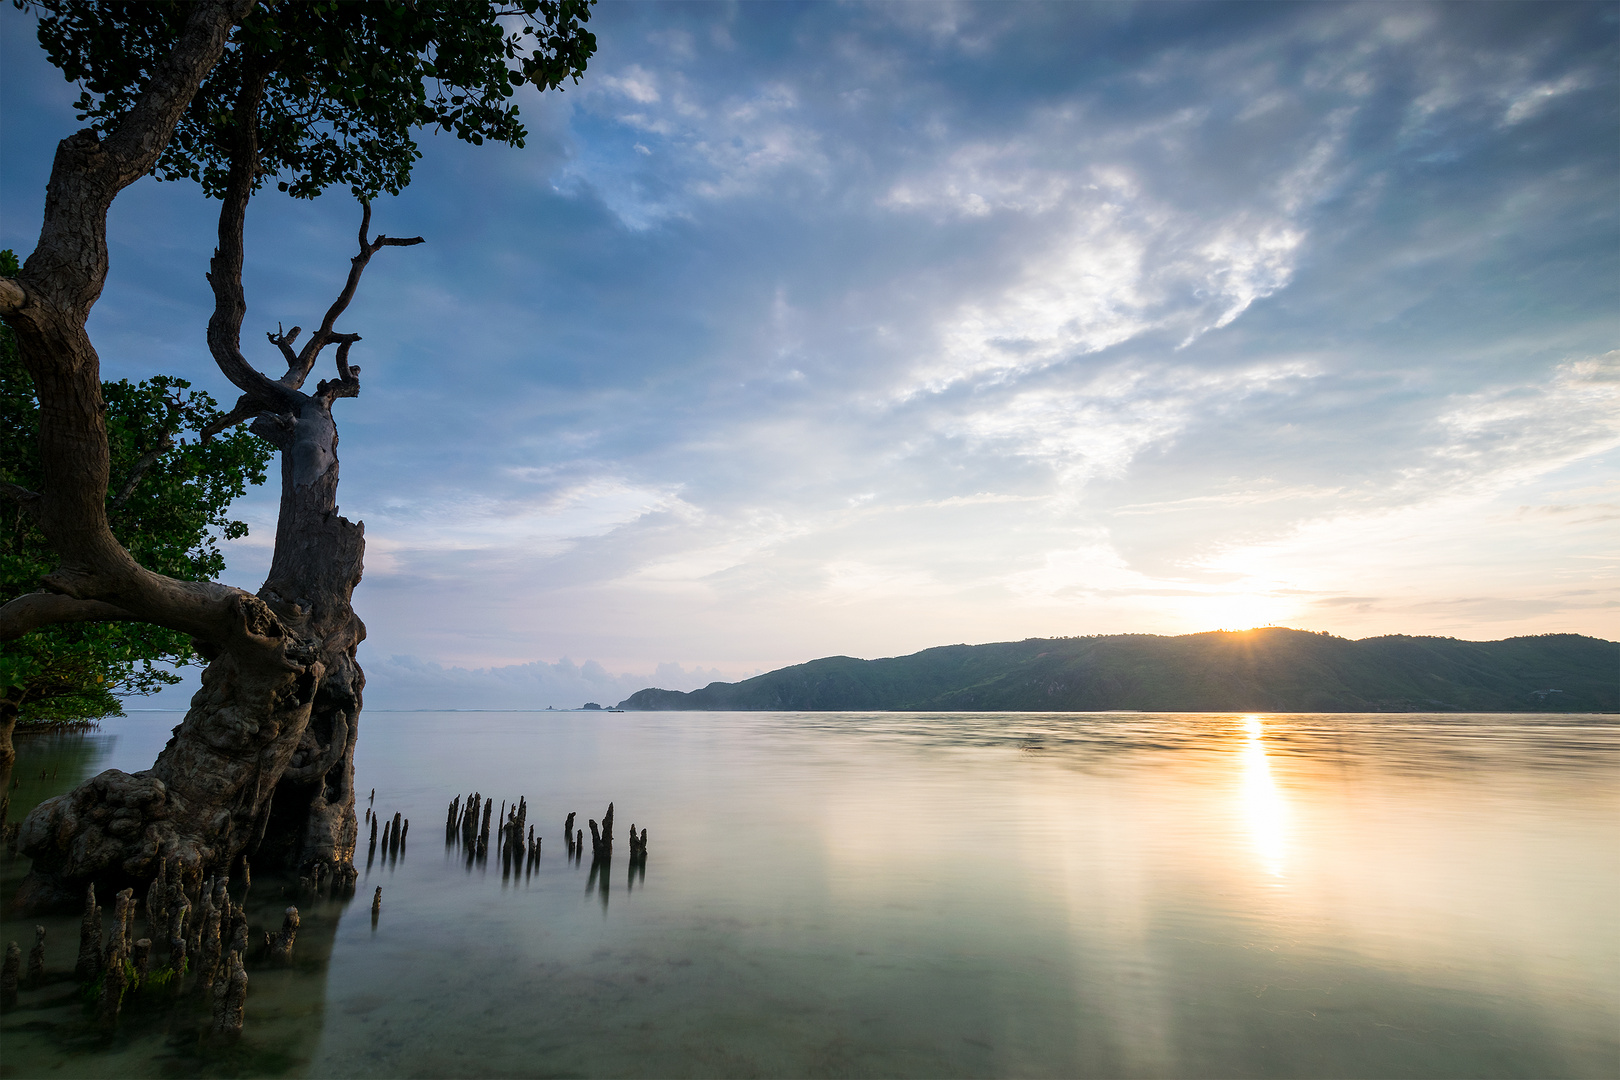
(59, 283)
(29, 500)
(325, 335)
(69, 265)
(36, 610)
(246, 408)
(284, 342)
(225, 268)
(347, 384)
(142, 463)
(345, 372)
(165, 443)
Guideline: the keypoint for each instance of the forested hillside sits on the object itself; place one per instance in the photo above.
(1273, 669)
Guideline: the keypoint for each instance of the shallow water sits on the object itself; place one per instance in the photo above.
(881, 894)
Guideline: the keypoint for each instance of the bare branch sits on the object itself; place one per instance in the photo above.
(347, 384)
(246, 408)
(345, 372)
(35, 610)
(284, 342)
(325, 335)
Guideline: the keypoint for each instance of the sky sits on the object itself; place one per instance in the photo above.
(811, 329)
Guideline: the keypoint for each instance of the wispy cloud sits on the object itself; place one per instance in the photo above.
(860, 328)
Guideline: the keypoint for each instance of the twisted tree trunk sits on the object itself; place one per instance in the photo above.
(263, 764)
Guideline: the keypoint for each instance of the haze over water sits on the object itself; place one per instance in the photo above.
(951, 894)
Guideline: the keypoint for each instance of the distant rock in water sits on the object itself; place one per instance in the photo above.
(590, 705)
(1270, 670)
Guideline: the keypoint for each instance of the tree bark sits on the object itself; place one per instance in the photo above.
(263, 763)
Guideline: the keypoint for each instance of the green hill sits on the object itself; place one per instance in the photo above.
(1274, 670)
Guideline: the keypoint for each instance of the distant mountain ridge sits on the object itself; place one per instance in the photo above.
(1272, 669)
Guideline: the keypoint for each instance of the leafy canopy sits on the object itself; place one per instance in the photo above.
(171, 519)
(344, 84)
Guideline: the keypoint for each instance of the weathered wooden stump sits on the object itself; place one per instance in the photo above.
(36, 960)
(157, 902)
(209, 950)
(8, 975)
(89, 963)
(114, 976)
(469, 821)
(178, 953)
(238, 933)
(230, 997)
(143, 962)
(602, 840)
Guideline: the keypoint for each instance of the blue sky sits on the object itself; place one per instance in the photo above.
(800, 330)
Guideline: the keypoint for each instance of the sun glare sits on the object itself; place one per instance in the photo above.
(1235, 611)
(1263, 803)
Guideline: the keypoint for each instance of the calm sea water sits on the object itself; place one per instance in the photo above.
(880, 894)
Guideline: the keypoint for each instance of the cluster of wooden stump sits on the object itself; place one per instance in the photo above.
(206, 932)
(467, 823)
(394, 834)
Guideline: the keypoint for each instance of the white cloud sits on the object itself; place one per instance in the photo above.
(1509, 435)
(415, 537)
(637, 84)
(1533, 99)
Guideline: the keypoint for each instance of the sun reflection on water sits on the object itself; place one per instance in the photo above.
(1263, 802)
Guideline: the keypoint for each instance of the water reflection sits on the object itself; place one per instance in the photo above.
(919, 895)
(1263, 803)
(601, 870)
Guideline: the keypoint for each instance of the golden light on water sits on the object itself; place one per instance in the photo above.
(1263, 803)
